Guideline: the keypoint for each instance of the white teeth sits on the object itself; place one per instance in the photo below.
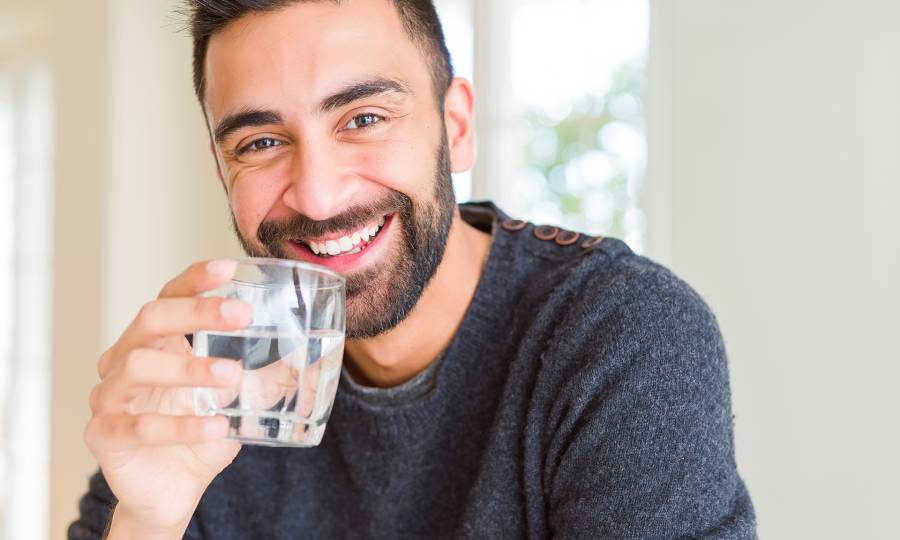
(347, 245)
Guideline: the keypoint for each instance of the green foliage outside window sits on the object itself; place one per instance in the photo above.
(588, 163)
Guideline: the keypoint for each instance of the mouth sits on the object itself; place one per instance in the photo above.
(346, 250)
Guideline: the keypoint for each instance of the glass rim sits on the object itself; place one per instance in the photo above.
(289, 263)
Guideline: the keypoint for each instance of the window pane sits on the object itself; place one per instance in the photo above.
(26, 164)
(456, 19)
(7, 216)
(580, 91)
(578, 70)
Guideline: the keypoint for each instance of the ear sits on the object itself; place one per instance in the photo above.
(459, 117)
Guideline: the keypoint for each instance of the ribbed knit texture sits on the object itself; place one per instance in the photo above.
(585, 395)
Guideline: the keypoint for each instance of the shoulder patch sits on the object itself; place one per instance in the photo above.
(514, 225)
(546, 232)
(591, 242)
(567, 238)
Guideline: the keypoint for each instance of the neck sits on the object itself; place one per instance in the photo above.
(398, 355)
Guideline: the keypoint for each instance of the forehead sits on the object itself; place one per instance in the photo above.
(300, 53)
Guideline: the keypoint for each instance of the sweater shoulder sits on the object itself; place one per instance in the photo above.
(576, 297)
(607, 305)
(598, 278)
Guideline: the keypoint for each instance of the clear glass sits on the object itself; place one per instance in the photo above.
(291, 353)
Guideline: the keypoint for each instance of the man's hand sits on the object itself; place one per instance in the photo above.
(157, 457)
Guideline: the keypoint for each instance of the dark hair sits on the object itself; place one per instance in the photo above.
(419, 19)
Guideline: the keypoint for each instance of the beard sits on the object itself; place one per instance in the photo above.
(382, 295)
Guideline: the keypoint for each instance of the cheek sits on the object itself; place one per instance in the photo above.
(254, 194)
(402, 166)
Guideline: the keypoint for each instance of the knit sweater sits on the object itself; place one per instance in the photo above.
(584, 395)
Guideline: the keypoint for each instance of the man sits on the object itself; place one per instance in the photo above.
(503, 380)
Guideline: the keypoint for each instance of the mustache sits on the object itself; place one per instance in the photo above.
(270, 233)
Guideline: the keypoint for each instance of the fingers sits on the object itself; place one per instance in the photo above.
(177, 316)
(116, 432)
(309, 389)
(153, 367)
(141, 359)
(264, 387)
(179, 311)
(281, 381)
(143, 368)
(199, 277)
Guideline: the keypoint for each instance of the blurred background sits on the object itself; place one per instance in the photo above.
(753, 147)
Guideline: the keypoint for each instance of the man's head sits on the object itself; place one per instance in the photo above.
(335, 126)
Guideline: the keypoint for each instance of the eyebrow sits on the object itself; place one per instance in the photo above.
(362, 90)
(347, 95)
(245, 118)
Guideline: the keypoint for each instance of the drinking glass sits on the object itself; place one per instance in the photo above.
(291, 353)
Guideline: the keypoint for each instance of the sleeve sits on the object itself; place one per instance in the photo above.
(640, 440)
(95, 512)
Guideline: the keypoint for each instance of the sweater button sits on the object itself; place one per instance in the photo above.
(546, 232)
(513, 225)
(567, 238)
(591, 242)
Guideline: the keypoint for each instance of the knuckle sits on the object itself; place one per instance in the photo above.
(103, 363)
(197, 268)
(94, 399)
(182, 428)
(143, 428)
(97, 431)
(146, 309)
(196, 370)
(131, 365)
(177, 283)
(208, 307)
(167, 288)
(91, 429)
(146, 315)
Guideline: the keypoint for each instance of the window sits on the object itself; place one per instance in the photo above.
(25, 287)
(560, 84)
(456, 18)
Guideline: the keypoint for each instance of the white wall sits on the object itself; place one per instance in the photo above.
(777, 126)
(136, 197)
(167, 209)
(77, 47)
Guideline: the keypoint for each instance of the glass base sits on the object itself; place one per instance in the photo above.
(271, 429)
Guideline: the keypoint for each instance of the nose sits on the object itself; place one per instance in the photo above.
(321, 183)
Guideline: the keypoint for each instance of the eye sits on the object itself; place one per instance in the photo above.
(259, 145)
(362, 121)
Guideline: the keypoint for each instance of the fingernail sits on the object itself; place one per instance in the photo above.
(232, 310)
(224, 369)
(214, 428)
(221, 267)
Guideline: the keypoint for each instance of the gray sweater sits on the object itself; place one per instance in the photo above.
(585, 395)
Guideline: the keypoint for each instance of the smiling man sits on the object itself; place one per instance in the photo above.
(502, 380)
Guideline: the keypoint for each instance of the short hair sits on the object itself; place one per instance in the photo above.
(419, 19)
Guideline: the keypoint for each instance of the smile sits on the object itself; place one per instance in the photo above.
(349, 244)
(346, 251)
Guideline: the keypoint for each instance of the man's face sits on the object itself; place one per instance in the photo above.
(332, 149)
